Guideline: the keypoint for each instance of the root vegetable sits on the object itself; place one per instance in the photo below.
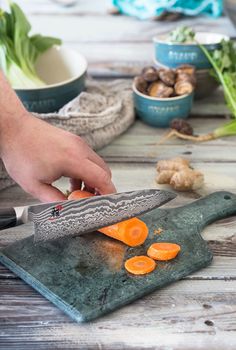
(177, 173)
(182, 126)
(186, 179)
(174, 164)
(140, 265)
(132, 232)
(163, 251)
(165, 176)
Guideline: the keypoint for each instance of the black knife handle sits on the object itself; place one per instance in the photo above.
(7, 218)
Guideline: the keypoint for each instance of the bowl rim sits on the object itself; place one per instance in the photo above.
(161, 65)
(64, 82)
(155, 39)
(159, 99)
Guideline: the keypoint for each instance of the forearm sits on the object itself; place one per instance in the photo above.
(12, 112)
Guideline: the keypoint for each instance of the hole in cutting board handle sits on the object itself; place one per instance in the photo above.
(227, 197)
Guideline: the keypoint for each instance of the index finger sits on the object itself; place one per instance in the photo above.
(93, 175)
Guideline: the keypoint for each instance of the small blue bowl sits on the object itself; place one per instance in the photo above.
(64, 71)
(173, 54)
(159, 112)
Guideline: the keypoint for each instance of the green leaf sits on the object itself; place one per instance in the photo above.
(21, 23)
(182, 34)
(18, 50)
(43, 43)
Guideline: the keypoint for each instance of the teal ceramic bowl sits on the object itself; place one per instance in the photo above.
(160, 112)
(174, 54)
(64, 71)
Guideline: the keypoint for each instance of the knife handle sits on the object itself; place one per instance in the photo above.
(7, 218)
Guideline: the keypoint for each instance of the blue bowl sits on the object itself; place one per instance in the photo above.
(64, 72)
(174, 54)
(159, 112)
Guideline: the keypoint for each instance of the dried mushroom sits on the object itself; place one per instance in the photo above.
(141, 84)
(167, 76)
(181, 126)
(186, 77)
(164, 83)
(186, 68)
(150, 74)
(160, 90)
(183, 88)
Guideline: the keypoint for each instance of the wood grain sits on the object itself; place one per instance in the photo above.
(196, 313)
(173, 317)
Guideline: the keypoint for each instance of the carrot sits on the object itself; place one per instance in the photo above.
(79, 194)
(163, 251)
(132, 232)
(140, 265)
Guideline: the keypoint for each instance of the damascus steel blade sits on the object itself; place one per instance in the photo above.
(76, 217)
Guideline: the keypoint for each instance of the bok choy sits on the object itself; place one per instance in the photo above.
(19, 49)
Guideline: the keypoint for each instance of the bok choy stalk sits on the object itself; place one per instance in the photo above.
(19, 50)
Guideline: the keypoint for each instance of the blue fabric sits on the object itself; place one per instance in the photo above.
(144, 9)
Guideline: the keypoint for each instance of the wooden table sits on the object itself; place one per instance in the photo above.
(198, 312)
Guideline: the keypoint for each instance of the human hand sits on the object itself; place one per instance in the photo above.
(36, 154)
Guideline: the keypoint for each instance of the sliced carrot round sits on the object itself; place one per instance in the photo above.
(133, 231)
(163, 251)
(79, 194)
(140, 265)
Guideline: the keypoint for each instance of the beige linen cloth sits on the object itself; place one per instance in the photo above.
(98, 115)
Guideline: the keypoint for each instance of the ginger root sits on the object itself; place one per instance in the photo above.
(179, 175)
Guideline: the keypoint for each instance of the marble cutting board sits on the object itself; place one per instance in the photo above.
(85, 276)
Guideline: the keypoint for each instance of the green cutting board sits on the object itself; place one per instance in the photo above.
(85, 276)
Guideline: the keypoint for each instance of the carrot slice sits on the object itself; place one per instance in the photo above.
(140, 265)
(163, 251)
(79, 194)
(132, 232)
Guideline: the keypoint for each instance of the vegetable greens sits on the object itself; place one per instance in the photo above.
(224, 69)
(19, 50)
(223, 61)
(182, 35)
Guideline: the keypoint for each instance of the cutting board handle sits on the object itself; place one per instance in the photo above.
(206, 210)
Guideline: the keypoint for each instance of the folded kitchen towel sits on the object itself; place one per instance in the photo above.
(100, 114)
(144, 9)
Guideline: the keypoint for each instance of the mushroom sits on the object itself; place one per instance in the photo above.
(167, 76)
(185, 82)
(159, 89)
(186, 77)
(150, 74)
(183, 87)
(186, 68)
(181, 126)
(141, 84)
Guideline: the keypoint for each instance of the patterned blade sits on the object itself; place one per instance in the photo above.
(86, 215)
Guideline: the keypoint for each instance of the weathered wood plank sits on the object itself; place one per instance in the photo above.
(112, 29)
(181, 314)
(140, 144)
(82, 7)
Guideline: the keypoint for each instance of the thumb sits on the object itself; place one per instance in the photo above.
(47, 193)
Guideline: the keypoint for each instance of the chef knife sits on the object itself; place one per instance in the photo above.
(76, 217)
